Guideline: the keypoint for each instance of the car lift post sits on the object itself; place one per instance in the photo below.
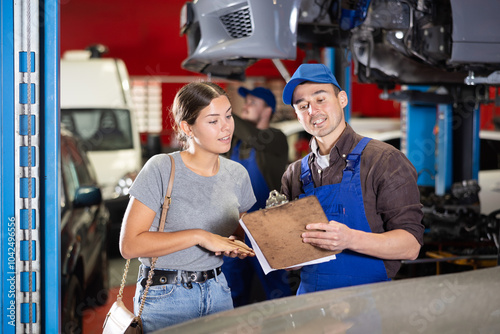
(29, 140)
(444, 149)
(417, 139)
(339, 63)
(440, 137)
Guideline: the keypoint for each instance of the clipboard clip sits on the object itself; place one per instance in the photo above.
(275, 199)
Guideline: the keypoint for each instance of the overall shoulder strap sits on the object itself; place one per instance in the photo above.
(354, 157)
(305, 174)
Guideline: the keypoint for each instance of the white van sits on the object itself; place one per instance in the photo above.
(96, 106)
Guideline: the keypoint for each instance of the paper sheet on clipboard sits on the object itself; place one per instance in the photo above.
(275, 234)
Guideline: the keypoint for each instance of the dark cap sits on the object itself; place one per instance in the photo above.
(260, 92)
(319, 73)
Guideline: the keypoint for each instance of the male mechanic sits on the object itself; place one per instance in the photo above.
(264, 153)
(367, 188)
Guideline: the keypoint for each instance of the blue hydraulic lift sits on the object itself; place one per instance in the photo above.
(440, 135)
(29, 159)
(339, 63)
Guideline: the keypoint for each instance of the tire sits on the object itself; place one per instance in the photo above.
(98, 291)
(72, 308)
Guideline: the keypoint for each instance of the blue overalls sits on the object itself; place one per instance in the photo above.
(259, 185)
(342, 202)
(239, 273)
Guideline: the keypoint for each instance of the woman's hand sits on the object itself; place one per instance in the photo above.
(226, 246)
(239, 254)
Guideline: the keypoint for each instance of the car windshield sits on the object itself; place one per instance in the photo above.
(100, 129)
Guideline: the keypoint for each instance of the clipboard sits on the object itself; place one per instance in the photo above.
(275, 234)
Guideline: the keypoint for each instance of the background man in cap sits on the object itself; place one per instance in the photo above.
(368, 190)
(264, 153)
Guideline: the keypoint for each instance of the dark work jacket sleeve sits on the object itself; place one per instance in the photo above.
(271, 148)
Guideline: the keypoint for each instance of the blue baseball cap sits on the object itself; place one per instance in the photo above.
(261, 93)
(319, 73)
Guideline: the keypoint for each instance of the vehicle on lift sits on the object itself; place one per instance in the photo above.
(451, 45)
(391, 41)
(84, 232)
(96, 106)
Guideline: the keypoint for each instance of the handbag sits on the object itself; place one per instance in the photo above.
(119, 319)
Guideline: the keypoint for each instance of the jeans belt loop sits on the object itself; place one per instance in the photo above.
(186, 280)
(178, 279)
(215, 275)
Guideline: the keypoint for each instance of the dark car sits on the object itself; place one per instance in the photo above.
(84, 228)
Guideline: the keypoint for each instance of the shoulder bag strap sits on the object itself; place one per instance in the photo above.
(166, 205)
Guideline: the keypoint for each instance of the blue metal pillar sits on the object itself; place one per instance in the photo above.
(418, 142)
(50, 123)
(340, 66)
(29, 239)
(441, 140)
(444, 151)
(27, 165)
(8, 222)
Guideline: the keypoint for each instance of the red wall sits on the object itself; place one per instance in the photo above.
(366, 102)
(145, 34)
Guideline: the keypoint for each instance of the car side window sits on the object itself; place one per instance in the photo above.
(490, 154)
(79, 165)
(75, 168)
(70, 178)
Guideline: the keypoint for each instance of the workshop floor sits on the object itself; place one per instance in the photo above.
(94, 318)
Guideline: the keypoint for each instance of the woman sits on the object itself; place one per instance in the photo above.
(209, 195)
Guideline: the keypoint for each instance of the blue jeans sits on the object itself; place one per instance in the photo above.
(170, 304)
(240, 272)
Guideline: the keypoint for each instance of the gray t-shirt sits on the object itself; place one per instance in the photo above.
(198, 202)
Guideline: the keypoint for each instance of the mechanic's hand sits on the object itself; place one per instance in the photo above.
(333, 236)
